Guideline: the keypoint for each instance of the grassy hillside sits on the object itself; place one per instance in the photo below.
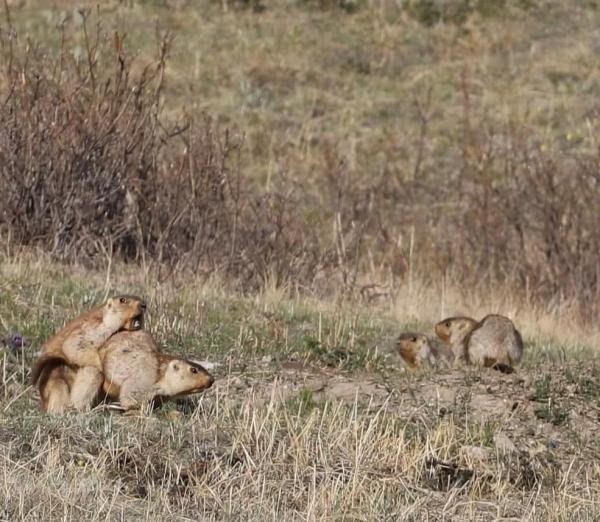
(312, 416)
(368, 167)
(300, 80)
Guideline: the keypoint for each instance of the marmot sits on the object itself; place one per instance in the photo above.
(136, 371)
(416, 350)
(69, 370)
(452, 331)
(492, 342)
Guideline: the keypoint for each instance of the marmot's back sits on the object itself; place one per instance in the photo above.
(495, 341)
(68, 370)
(131, 357)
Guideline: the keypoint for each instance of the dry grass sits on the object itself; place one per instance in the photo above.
(310, 418)
(232, 458)
(375, 140)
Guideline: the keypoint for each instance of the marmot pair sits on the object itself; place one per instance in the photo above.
(106, 351)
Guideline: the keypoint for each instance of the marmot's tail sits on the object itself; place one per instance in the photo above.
(44, 365)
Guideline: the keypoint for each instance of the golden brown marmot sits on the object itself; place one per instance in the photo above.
(452, 331)
(416, 351)
(136, 371)
(75, 347)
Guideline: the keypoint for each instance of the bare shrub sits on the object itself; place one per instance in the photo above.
(88, 166)
(512, 214)
(531, 219)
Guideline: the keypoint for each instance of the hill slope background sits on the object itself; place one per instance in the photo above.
(290, 185)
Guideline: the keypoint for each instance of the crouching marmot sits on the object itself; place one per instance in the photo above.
(136, 371)
(492, 342)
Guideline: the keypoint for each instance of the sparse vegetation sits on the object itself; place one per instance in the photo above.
(290, 185)
(399, 176)
(355, 436)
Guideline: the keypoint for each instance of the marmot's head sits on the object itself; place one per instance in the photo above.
(125, 310)
(454, 329)
(184, 377)
(414, 348)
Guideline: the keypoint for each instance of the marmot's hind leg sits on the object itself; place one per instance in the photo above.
(504, 368)
(494, 364)
(85, 388)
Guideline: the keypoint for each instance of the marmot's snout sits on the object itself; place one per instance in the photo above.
(207, 378)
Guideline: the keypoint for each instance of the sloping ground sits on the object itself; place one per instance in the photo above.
(310, 419)
(296, 442)
(308, 84)
(396, 138)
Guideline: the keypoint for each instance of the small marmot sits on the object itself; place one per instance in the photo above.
(493, 342)
(416, 350)
(136, 371)
(75, 347)
(452, 331)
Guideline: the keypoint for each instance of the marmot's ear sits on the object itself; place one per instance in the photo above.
(109, 303)
(176, 367)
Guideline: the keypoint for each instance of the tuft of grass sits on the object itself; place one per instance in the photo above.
(552, 413)
(542, 388)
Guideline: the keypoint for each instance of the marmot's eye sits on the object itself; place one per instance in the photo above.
(193, 370)
(447, 324)
(123, 300)
(414, 339)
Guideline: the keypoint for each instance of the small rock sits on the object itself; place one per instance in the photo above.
(348, 390)
(437, 394)
(207, 365)
(195, 469)
(315, 385)
(503, 443)
(487, 405)
(293, 366)
(478, 453)
(237, 382)
(174, 415)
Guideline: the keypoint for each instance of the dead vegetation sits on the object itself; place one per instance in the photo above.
(271, 442)
(310, 417)
(92, 168)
